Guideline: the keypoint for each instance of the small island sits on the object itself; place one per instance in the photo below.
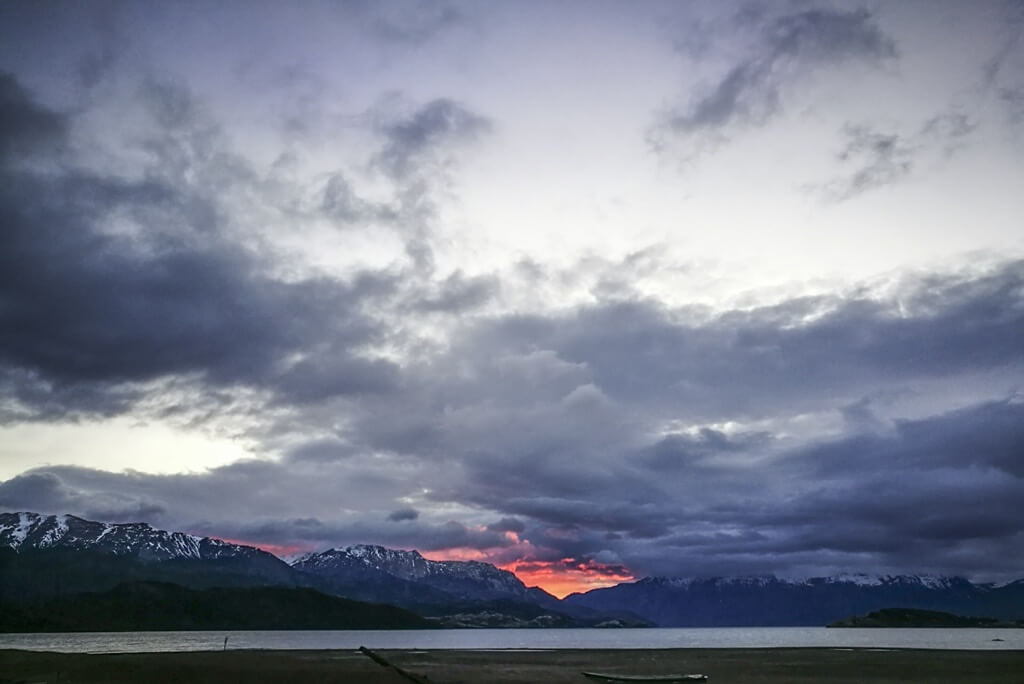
(911, 617)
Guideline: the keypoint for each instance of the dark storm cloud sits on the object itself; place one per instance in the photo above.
(86, 312)
(402, 514)
(30, 394)
(41, 489)
(989, 436)
(320, 451)
(637, 519)
(46, 491)
(315, 533)
(335, 374)
(507, 525)
(881, 158)
(602, 473)
(24, 125)
(751, 363)
(786, 47)
(687, 451)
(567, 446)
(592, 432)
(923, 496)
(557, 420)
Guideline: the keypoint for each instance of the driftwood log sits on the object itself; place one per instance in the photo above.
(383, 662)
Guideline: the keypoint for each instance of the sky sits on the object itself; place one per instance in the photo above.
(589, 290)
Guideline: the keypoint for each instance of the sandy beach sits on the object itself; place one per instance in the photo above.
(765, 666)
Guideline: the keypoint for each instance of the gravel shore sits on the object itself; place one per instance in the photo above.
(764, 666)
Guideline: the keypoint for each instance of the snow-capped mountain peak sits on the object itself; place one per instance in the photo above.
(25, 531)
(931, 582)
(472, 577)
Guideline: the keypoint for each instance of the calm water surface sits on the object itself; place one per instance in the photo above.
(706, 637)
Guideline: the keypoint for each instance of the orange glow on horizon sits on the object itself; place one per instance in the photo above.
(276, 549)
(559, 578)
(456, 554)
(568, 576)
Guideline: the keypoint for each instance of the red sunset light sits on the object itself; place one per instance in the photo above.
(568, 576)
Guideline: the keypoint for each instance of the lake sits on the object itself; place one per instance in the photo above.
(705, 637)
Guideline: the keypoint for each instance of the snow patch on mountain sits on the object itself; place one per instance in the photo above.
(470, 577)
(20, 532)
(24, 531)
(857, 579)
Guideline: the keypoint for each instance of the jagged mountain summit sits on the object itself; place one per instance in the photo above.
(476, 592)
(467, 579)
(49, 555)
(854, 579)
(46, 555)
(31, 531)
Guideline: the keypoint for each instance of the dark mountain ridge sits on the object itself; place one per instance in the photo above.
(159, 605)
(57, 555)
(63, 554)
(769, 601)
(464, 580)
(435, 588)
(47, 556)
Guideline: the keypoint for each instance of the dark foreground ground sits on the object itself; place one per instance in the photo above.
(791, 666)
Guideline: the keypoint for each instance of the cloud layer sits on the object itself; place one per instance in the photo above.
(305, 275)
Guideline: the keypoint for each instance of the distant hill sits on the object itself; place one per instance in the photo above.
(769, 601)
(909, 617)
(160, 605)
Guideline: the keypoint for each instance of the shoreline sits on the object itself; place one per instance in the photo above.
(795, 665)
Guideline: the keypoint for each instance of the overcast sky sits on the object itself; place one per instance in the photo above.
(591, 290)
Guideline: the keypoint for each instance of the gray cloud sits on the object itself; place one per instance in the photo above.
(339, 201)
(507, 525)
(401, 514)
(178, 297)
(455, 294)
(412, 141)
(1007, 43)
(46, 491)
(320, 451)
(1014, 100)
(881, 158)
(24, 125)
(403, 405)
(983, 437)
(742, 362)
(410, 23)
(884, 158)
(569, 449)
(786, 47)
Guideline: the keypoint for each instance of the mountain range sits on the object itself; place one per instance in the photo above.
(770, 601)
(43, 557)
